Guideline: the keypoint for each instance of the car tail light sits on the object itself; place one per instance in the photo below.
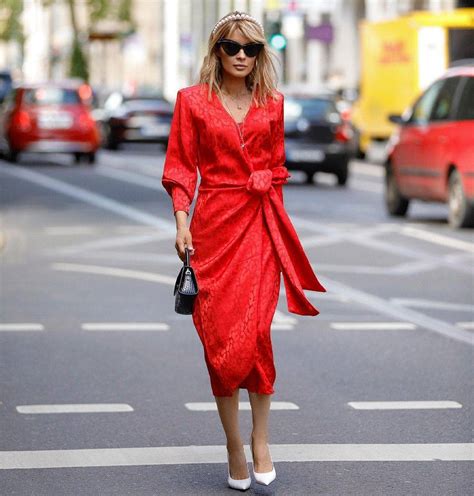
(343, 133)
(21, 121)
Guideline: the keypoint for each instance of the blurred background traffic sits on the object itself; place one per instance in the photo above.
(83, 74)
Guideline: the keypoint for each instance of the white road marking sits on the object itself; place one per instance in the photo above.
(76, 408)
(21, 327)
(394, 311)
(380, 326)
(125, 326)
(283, 322)
(438, 239)
(367, 186)
(367, 169)
(89, 197)
(183, 455)
(466, 325)
(113, 242)
(70, 230)
(115, 272)
(439, 305)
(210, 406)
(129, 177)
(403, 405)
(282, 327)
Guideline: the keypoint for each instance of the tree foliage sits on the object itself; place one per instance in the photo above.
(10, 25)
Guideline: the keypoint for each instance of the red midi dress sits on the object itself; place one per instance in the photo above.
(242, 235)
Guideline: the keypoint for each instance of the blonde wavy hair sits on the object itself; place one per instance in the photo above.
(262, 81)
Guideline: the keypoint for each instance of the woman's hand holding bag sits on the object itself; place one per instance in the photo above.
(186, 287)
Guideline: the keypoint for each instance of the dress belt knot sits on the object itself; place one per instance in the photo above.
(260, 181)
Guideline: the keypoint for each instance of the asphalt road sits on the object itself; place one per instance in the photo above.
(103, 387)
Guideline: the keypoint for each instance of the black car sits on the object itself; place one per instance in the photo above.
(317, 138)
(135, 119)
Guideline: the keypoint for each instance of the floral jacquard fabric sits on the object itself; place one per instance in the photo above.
(242, 235)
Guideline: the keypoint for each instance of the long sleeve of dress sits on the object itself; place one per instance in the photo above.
(278, 155)
(180, 168)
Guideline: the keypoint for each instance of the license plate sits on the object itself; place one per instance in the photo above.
(155, 130)
(55, 120)
(307, 155)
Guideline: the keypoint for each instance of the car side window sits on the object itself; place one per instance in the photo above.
(442, 108)
(423, 107)
(466, 102)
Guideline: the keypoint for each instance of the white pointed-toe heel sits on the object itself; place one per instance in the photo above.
(242, 484)
(263, 477)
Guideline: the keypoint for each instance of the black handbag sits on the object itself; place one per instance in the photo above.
(185, 288)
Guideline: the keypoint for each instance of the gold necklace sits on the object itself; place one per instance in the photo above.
(234, 99)
(242, 143)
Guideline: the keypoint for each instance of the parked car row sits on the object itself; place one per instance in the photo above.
(69, 117)
(430, 156)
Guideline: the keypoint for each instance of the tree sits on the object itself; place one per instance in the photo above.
(10, 26)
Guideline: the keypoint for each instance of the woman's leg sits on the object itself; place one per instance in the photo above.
(260, 404)
(228, 408)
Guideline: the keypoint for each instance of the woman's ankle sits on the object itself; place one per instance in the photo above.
(259, 438)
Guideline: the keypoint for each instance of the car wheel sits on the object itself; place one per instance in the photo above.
(343, 174)
(461, 212)
(77, 157)
(310, 177)
(91, 157)
(12, 155)
(396, 204)
(111, 143)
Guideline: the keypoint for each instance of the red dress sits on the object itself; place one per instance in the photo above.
(242, 235)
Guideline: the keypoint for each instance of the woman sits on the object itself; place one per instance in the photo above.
(230, 128)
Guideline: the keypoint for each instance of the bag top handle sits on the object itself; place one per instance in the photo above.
(186, 251)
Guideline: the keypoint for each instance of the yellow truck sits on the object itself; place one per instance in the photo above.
(399, 59)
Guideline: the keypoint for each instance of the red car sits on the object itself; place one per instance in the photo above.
(431, 155)
(50, 118)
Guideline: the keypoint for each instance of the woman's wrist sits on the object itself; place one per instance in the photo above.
(181, 219)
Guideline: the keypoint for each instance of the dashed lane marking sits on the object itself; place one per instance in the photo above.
(243, 405)
(466, 325)
(125, 326)
(403, 405)
(182, 455)
(372, 326)
(76, 408)
(7, 327)
(394, 311)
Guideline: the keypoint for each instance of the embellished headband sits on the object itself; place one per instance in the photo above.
(236, 16)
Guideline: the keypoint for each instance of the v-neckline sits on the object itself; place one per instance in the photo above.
(221, 104)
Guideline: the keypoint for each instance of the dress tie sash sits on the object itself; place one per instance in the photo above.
(296, 268)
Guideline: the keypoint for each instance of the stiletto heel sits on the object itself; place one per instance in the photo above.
(264, 478)
(242, 484)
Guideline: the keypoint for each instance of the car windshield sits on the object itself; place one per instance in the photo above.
(312, 108)
(51, 96)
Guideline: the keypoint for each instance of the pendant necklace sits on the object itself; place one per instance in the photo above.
(237, 103)
(240, 131)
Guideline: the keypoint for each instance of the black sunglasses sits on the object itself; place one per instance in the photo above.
(233, 48)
